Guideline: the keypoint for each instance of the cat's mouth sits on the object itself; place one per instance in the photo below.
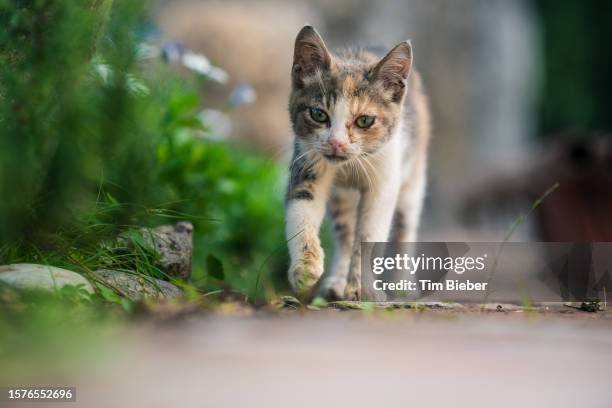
(335, 158)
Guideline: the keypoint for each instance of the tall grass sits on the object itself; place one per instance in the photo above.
(95, 142)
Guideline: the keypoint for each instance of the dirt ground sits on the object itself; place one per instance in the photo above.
(299, 358)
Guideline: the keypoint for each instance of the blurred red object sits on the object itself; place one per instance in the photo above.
(580, 209)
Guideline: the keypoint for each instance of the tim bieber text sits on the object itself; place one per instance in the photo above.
(428, 285)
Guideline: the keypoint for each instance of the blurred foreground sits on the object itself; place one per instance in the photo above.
(332, 358)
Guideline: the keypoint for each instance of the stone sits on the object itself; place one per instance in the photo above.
(41, 277)
(174, 243)
(137, 287)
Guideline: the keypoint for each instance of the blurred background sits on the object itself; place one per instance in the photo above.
(519, 92)
(115, 116)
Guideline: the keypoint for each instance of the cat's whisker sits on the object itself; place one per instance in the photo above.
(355, 171)
(366, 173)
(310, 147)
(299, 157)
(374, 171)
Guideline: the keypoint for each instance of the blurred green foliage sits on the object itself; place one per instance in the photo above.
(578, 61)
(44, 334)
(94, 141)
(240, 194)
(63, 131)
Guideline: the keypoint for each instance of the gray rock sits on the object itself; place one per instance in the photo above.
(137, 287)
(41, 277)
(174, 243)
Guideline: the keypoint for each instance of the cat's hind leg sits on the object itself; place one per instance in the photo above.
(342, 208)
(409, 207)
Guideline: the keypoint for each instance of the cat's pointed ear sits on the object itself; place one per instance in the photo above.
(309, 56)
(392, 71)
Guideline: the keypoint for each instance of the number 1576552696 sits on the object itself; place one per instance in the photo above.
(38, 394)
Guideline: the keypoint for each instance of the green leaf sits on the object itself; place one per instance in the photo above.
(319, 302)
(74, 292)
(214, 267)
(290, 301)
(111, 199)
(128, 305)
(108, 294)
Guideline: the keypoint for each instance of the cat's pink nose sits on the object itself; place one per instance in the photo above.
(337, 146)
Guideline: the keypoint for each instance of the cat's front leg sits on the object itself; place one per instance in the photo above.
(374, 224)
(306, 198)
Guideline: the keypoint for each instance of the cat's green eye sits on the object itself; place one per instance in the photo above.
(365, 121)
(318, 115)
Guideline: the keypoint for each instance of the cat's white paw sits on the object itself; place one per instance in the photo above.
(304, 275)
(356, 292)
(332, 289)
(352, 291)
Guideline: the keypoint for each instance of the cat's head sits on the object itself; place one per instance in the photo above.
(347, 105)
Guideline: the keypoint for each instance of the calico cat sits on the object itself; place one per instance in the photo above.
(361, 127)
